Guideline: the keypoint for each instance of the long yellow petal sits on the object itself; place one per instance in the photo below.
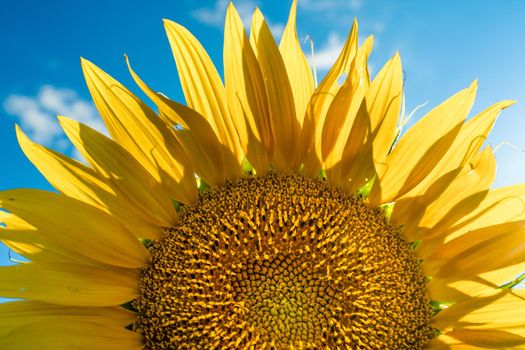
(246, 91)
(499, 311)
(383, 102)
(140, 131)
(19, 313)
(419, 215)
(213, 161)
(341, 138)
(83, 229)
(33, 245)
(297, 66)
(81, 182)
(69, 284)
(123, 171)
(285, 127)
(202, 86)
(67, 335)
(483, 250)
(419, 151)
(456, 249)
(490, 338)
(27, 242)
(321, 101)
(466, 145)
(373, 130)
(506, 204)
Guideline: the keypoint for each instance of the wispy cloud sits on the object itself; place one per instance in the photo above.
(326, 56)
(214, 16)
(37, 114)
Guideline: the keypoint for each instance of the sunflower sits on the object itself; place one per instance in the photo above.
(266, 213)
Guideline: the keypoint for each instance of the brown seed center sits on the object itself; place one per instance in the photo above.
(282, 261)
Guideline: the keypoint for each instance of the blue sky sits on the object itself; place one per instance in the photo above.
(444, 45)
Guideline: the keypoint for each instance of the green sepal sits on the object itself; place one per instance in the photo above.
(388, 209)
(202, 185)
(439, 306)
(415, 244)
(146, 242)
(177, 205)
(247, 168)
(364, 190)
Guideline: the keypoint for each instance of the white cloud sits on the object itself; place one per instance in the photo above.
(37, 114)
(214, 16)
(326, 56)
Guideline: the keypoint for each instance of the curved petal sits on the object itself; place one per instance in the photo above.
(506, 204)
(478, 251)
(343, 134)
(485, 317)
(20, 313)
(77, 226)
(81, 182)
(419, 151)
(297, 66)
(419, 215)
(67, 335)
(122, 171)
(285, 127)
(466, 145)
(375, 124)
(69, 284)
(203, 87)
(246, 91)
(139, 130)
(212, 161)
(321, 101)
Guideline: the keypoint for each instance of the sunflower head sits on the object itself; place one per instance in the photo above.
(266, 212)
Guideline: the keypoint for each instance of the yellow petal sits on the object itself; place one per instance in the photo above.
(27, 242)
(123, 171)
(212, 161)
(487, 339)
(19, 313)
(246, 92)
(341, 138)
(421, 148)
(138, 129)
(498, 311)
(297, 66)
(69, 284)
(202, 86)
(382, 103)
(506, 204)
(466, 145)
(78, 181)
(419, 215)
(35, 247)
(67, 335)
(481, 251)
(454, 291)
(454, 251)
(373, 131)
(77, 226)
(285, 127)
(321, 101)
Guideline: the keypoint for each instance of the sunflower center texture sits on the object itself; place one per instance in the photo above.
(282, 261)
